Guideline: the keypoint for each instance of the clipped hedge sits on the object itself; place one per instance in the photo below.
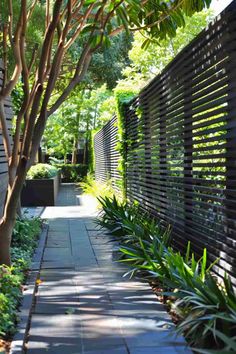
(72, 173)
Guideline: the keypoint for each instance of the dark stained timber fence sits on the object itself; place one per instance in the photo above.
(106, 153)
(3, 162)
(181, 144)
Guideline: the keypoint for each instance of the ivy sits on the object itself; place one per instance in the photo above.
(91, 150)
(123, 98)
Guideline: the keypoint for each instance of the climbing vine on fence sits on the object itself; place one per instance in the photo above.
(123, 98)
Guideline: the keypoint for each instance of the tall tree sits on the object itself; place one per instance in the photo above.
(147, 62)
(64, 22)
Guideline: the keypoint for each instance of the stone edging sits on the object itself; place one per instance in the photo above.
(17, 345)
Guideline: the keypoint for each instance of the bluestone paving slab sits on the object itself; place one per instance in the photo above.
(60, 306)
(57, 265)
(55, 253)
(121, 350)
(57, 243)
(57, 273)
(160, 350)
(84, 304)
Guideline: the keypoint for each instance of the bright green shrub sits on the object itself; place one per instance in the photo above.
(96, 188)
(42, 171)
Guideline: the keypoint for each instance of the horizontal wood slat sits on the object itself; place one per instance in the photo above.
(106, 153)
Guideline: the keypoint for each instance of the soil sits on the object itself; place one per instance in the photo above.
(164, 300)
(4, 346)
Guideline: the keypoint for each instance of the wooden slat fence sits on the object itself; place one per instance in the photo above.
(106, 153)
(181, 155)
(181, 144)
(3, 162)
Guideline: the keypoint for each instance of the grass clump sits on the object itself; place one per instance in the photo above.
(98, 188)
(205, 307)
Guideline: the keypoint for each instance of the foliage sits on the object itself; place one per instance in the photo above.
(91, 151)
(97, 188)
(123, 96)
(128, 223)
(212, 314)
(147, 62)
(25, 236)
(84, 111)
(65, 126)
(10, 294)
(108, 63)
(206, 308)
(41, 171)
(71, 172)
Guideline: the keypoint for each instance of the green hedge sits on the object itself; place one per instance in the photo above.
(72, 173)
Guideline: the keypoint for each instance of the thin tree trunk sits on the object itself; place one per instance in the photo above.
(6, 228)
(75, 151)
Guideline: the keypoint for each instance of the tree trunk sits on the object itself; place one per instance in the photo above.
(8, 219)
(6, 228)
(75, 151)
(19, 210)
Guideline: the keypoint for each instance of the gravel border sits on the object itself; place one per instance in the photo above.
(17, 345)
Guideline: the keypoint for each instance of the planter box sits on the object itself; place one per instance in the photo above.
(40, 192)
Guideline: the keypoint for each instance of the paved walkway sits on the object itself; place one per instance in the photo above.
(84, 305)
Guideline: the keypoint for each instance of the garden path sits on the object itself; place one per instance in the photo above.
(83, 304)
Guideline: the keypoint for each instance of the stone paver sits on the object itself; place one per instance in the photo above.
(84, 305)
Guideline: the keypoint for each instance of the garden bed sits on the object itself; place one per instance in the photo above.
(17, 283)
(202, 305)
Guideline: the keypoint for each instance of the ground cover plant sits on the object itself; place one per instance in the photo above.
(204, 306)
(24, 241)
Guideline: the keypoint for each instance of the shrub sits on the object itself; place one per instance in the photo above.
(72, 173)
(41, 171)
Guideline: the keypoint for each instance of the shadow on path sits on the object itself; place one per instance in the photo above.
(84, 305)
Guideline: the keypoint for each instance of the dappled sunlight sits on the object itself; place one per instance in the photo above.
(68, 212)
(83, 302)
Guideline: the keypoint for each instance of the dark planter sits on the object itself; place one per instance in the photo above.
(40, 192)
